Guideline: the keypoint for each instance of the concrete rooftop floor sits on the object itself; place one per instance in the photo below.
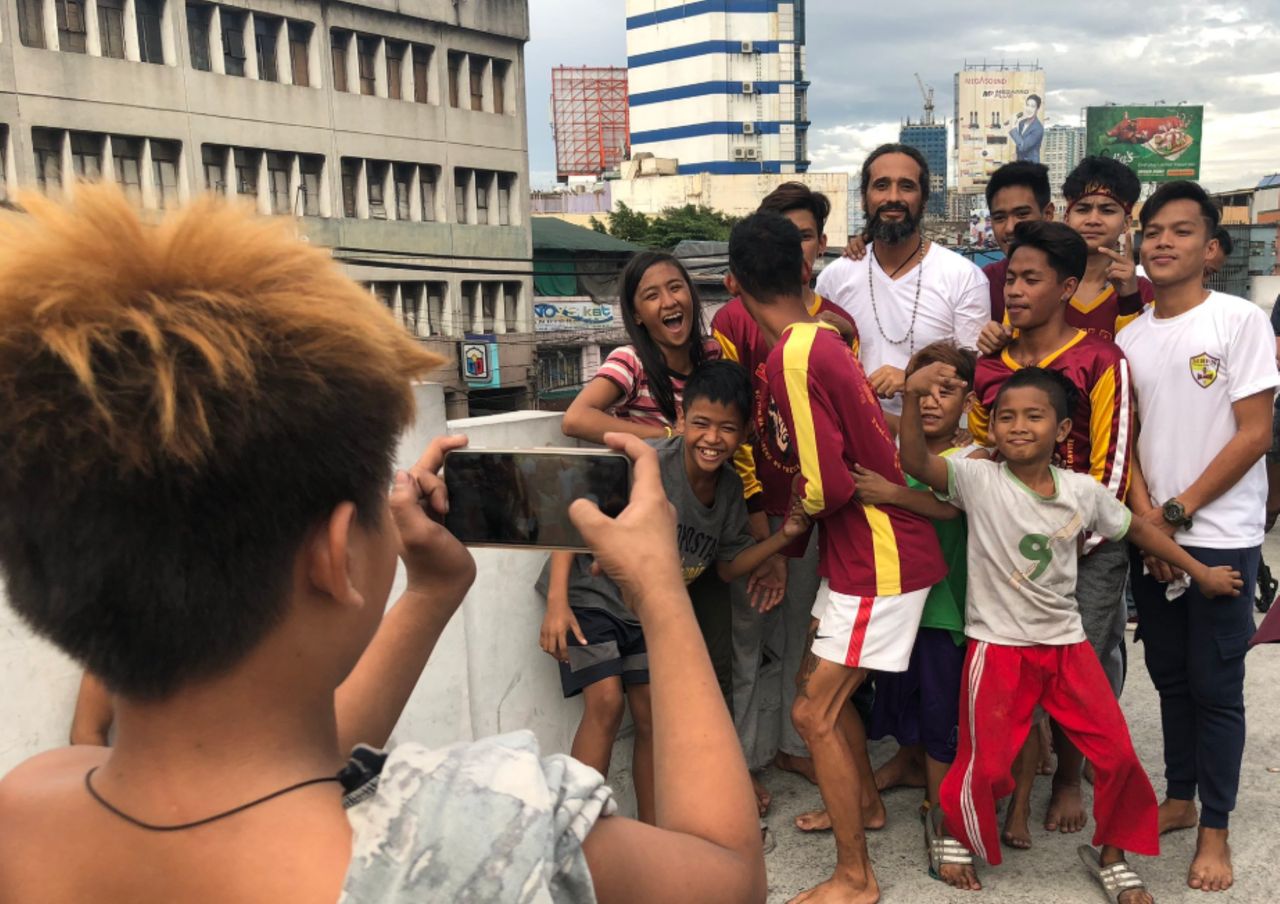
(1050, 872)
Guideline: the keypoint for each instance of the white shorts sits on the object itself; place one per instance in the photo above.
(867, 632)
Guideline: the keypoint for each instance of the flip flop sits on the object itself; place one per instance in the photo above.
(1113, 880)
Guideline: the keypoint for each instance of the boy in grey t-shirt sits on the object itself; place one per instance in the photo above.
(593, 635)
(1027, 645)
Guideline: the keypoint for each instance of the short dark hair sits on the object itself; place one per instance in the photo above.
(1094, 173)
(1036, 98)
(797, 196)
(1062, 393)
(1181, 191)
(945, 351)
(208, 391)
(1067, 252)
(723, 382)
(1225, 241)
(1034, 176)
(897, 148)
(766, 256)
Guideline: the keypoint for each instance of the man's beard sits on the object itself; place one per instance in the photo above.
(891, 232)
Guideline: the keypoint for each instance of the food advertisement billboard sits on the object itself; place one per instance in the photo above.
(1160, 144)
(999, 119)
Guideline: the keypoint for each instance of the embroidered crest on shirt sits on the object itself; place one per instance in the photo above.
(1204, 369)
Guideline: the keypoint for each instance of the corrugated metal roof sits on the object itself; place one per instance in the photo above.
(552, 234)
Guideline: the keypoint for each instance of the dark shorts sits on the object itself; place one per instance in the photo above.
(921, 706)
(614, 648)
(1273, 454)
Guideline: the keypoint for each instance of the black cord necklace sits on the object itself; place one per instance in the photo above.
(151, 827)
(910, 257)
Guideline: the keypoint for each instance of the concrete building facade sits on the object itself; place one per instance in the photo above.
(398, 140)
(1062, 150)
(719, 84)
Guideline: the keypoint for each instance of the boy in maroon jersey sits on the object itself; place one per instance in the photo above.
(877, 563)
(1046, 262)
(767, 483)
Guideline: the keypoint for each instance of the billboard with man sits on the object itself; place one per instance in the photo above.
(999, 119)
(1160, 144)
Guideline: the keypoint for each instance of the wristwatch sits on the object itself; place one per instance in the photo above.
(1175, 513)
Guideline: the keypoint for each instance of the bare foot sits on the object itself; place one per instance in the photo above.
(841, 890)
(1017, 829)
(763, 797)
(874, 815)
(1066, 809)
(814, 821)
(1176, 815)
(903, 769)
(963, 877)
(800, 765)
(1045, 766)
(1211, 866)
(1088, 772)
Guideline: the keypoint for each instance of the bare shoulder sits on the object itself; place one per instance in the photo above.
(39, 800)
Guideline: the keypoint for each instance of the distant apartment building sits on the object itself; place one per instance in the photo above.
(395, 139)
(930, 139)
(720, 86)
(1062, 150)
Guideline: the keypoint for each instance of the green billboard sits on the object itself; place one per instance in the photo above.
(1160, 144)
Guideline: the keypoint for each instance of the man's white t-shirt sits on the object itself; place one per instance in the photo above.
(955, 303)
(1187, 372)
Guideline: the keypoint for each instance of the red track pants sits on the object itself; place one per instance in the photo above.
(1002, 685)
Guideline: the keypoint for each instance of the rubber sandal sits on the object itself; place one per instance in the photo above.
(943, 850)
(1113, 880)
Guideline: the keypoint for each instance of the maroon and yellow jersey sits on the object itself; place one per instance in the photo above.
(826, 419)
(997, 272)
(766, 485)
(1107, 314)
(1101, 435)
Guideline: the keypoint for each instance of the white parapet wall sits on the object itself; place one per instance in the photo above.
(486, 676)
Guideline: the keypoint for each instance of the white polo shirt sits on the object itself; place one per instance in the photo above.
(1187, 372)
(955, 304)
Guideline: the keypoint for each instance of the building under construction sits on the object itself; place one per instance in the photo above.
(589, 119)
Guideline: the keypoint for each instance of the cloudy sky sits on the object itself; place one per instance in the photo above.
(862, 56)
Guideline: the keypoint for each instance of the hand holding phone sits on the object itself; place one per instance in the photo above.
(433, 557)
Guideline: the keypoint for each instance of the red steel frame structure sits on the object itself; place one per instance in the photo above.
(590, 119)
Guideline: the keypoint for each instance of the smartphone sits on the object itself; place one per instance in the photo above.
(521, 498)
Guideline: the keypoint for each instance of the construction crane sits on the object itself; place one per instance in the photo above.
(927, 94)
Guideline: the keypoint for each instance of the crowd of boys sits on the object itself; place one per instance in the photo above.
(963, 470)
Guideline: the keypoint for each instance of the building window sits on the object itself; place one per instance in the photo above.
(500, 68)
(350, 175)
(214, 160)
(482, 197)
(455, 76)
(395, 69)
(232, 42)
(338, 50)
(427, 176)
(266, 32)
(460, 195)
(376, 176)
(111, 28)
(150, 31)
(421, 73)
(164, 169)
(477, 83)
(71, 27)
(198, 35)
(47, 144)
(126, 154)
(246, 172)
(366, 56)
(435, 309)
(300, 53)
(278, 166)
(504, 199)
(31, 23)
(403, 179)
(559, 368)
(86, 156)
(510, 305)
(310, 168)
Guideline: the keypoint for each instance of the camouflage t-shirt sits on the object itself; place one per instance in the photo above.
(486, 821)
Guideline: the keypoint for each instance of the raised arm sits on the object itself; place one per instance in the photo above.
(706, 844)
(587, 418)
(917, 460)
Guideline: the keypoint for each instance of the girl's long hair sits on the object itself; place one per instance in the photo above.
(651, 357)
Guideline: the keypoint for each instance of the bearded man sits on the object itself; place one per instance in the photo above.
(907, 291)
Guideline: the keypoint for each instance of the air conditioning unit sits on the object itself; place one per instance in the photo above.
(750, 153)
(740, 153)
(748, 128)
(748, 87)
(748, 47)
